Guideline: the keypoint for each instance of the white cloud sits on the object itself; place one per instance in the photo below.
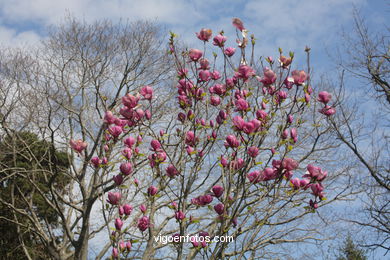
(11, 38)
(292, 23)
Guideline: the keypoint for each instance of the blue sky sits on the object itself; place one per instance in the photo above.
(289, 24)
(280, 23)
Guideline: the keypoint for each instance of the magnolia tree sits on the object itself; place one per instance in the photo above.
(231, 161)
(233, 151)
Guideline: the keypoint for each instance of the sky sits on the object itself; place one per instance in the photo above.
(289, 24)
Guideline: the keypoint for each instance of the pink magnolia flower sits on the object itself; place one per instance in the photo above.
(122, 246)
(127, 153)
(109, 118)
(317, 189)
(128, 245)
(115, 253)
(143, 223)
(215, 75)
(127, 209)
(269, 174)
(205, 199)
(181, 117)
(179, 215)
(195, 54)
(190, 150)
(172, 171)
(290, 119)
(294, 134)
(269, 77)
(261, 114)
(304, 183)
(115, 131)
(219, 40)
(139, 114)
(238, 24)
(190, 138)
(295, 183)
(299, 76)
(78, 145)
(254, 177)
(285, 61)
(194, 241)
(224, 161)
(313, 204)
(204, 75)
(118, 224)
(281, 95)
(130, 101)
(204, 34)
(248, 127)
(129, 141)
(229, 51)
(237, 164)
(215, 100)
(219, 208)
(222, 114)
(96, 161)
(147, 92)
(114, 198)
(238, 123)
(218, 89)
(328, 110)
(289, 82)
(253, 151)
(204, 64)
(126, 168)
(152, 190)
(285, 134)
(156, 146)
(118, 179)
(143, 208)
(324, 97)
(307, 98)
(217, 190)
(231, 82)
(315, 173)
(289, 164)
(245, 72)
(120, 122)
(127, 113)
(309, 90)
(231, 141)
(241, 104)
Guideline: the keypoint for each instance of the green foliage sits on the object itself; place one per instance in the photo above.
(350, 251)
(28, 166)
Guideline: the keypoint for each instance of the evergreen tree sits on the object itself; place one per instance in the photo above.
(350, 251)
(28, 165)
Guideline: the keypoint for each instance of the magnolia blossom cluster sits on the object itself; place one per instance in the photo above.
(313, 180)
(324, 97)
(118, 127)
(124, 211)
(228, 95)
(244, 103)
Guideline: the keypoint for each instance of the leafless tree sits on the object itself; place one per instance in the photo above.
(363, 123)
(61, 91)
